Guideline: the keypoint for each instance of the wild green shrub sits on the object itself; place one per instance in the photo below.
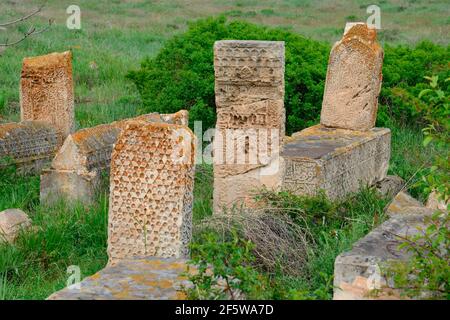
(224, 269)
(182, 74)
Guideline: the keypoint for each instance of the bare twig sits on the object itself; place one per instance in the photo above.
(32, 31)
(22, 18)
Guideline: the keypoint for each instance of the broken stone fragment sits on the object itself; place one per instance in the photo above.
(12, 221)
(390, 186)
(403, 203)
(353, 81)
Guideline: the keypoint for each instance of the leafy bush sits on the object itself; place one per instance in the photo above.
(182, 74)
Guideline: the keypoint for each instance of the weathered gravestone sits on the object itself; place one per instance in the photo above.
(249, 88)
(151, 192)
(30, 145)
(344, 152)
(46, 91)
(150, 217)
(337, 161)
(77, 168)
(353, 80)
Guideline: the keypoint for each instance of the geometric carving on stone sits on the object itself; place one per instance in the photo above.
(353, 81)
(75, 172)
(151, 192)
(30, 144)
(337, 161)
(46, 91)
(249, 90)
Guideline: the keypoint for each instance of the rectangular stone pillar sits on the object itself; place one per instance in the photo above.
(151, 192)
(353, 82)
(249, 88)
(46, 91)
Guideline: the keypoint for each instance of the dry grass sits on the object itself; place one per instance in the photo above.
(280, 245)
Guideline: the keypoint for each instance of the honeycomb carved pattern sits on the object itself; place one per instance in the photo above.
(151, 192)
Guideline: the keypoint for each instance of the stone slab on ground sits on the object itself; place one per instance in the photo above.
(138, 279)
(338, 161)
(357, 272)
(12, 221)
(31, 145)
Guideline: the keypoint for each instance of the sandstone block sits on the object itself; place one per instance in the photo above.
(151, 192)
(30, 144)
(46, 91)
(337, 161)
(249, 88)
(353, 80)
(77, 168)
(138, 279)
(434, 203)
(12, 221)
(358, 273)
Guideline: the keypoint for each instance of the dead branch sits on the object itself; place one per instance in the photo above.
(32, 31)
(22, 18)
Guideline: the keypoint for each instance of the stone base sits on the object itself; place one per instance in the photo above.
(338, 161)
(357, 273)
(69, 185)
(139, 279)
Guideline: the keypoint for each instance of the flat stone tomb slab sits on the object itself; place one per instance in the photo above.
(30, 145)
(338, 161)
(359, 271)
(137, 279)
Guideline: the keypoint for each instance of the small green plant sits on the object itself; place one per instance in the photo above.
(224, 269)
(437, 114)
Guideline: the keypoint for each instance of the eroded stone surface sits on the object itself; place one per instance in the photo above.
(76, 170)
(390, 186)
(46, 91)
(138, 279)
(433, 202)
(151, 192)
(337, 161)
(12, 221)
(403, 203)
(358, 273)
(30, 144)
(249, 87)
(353, 80)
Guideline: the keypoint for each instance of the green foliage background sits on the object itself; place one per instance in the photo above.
(181, 76)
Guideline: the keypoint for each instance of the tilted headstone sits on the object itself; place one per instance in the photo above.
(249, 88)
(30, 145)
(151, 192)
(353, 80)
(46, 91)
(76, 170)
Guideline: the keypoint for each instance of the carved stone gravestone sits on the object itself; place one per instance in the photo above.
(30, 145)
(353, 80)
(46, 91)
(77, 168)
(151, 192)
(249, 88)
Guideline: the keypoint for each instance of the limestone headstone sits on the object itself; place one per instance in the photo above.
(151, 192)
(353, 80)
(46, 91)
(249, 88)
